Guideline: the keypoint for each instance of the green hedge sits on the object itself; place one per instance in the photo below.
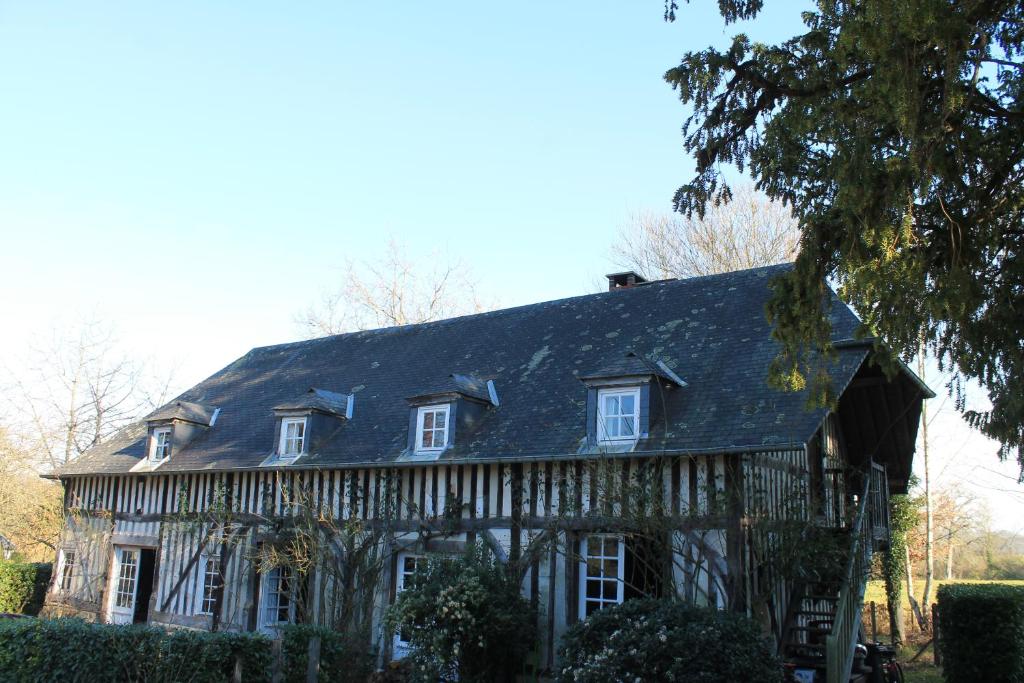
(342, 657)
(23, 586)
(981, 632)
(72, 651)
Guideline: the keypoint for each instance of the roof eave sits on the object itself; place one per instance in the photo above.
(542, 457)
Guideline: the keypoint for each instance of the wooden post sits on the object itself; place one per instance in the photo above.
(236, 676)
(935, 634)
(874, 622)
(276, 664)
(313, 662)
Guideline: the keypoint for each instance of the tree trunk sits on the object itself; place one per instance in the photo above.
(949, 560)
(914, 607)
(929, 557)
(892, 597)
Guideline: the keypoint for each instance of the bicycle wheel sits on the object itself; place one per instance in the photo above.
(896, 673)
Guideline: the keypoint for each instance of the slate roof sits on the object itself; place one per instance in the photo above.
(711, 331)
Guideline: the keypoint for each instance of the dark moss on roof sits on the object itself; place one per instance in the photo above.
(711, 331)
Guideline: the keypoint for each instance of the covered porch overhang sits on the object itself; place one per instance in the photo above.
(879, 417)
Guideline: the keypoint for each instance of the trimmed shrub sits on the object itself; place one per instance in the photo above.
(665, 640)
(981, 632)
(71, 650)
(466, 620)
(343, 657)
(23, 586)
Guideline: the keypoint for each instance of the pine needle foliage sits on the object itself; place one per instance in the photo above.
(894, 130)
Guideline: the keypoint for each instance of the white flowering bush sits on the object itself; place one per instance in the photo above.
(465, 620)
(666, 640)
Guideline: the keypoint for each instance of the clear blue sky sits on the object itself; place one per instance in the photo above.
(209, 166)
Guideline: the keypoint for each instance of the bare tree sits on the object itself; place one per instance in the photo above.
(394, 290)
(30, 507)
(955, 514)
(79, 389)
(748, 232)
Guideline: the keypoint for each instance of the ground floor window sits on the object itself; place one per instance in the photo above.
(408, 563)
(211, 581)
(67, 568)
(615, 568)
(276, 606)
(602, 565)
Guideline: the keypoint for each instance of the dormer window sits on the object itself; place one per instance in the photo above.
(618, 414)
(293, 437)
(160, 444)
(431, 428)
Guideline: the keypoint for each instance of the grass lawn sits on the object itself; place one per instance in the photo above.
(923, 670)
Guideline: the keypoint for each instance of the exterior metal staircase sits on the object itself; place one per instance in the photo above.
(823, 624)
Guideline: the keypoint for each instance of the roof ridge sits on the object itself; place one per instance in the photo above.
(395, 329)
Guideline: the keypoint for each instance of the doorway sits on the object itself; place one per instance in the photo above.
(131, 584)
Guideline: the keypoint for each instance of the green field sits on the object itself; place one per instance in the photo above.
(876, 589)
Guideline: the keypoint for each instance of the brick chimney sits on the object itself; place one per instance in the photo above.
(624, 280)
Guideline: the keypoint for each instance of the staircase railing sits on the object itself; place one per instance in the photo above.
(871, 522)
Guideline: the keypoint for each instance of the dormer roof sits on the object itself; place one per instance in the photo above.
(455, 384)
(187, 411)
(320, 400)
(631, 365)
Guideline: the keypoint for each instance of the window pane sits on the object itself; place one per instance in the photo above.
(593, 590)
(428, 421)
(626, 426)
(441, 419)
(611, 405)
(428, 439)
(628, 401)
(593, 567)
(611, 590)
(611, 546)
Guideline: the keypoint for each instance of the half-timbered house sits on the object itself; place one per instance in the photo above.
(554, 433)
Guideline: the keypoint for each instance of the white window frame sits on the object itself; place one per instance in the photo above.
(602, 418)
(400, 648)
(586, 546)
(66, 570)
(421, 414)
(160, 450)
(211, 570)
(282, 445)
(278, 575)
